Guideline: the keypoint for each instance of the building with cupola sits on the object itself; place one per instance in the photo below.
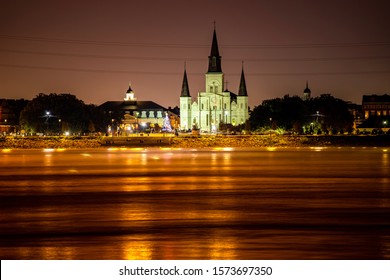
(307, 92)
(132, 116)
(215, 105)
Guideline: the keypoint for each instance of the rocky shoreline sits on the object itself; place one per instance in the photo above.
(281, 141)
(204, 141)
(50, 142)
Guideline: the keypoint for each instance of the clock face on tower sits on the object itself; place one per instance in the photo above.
(212, 99)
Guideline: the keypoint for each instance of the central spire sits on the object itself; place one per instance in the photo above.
(214, 58)
(185, 91)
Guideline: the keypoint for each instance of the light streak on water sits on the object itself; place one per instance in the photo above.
(224, 203)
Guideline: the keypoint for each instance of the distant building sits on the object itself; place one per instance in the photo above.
(307, 92)
(376, 105)
(356, 112)
(131, 116)
(215, 105)
(10, 113)
(376, 112)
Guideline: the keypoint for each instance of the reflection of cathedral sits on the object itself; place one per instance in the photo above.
(216, 105)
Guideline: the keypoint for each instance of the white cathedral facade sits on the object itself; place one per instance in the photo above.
(215, 105)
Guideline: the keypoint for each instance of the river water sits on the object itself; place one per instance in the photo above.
(271, 203)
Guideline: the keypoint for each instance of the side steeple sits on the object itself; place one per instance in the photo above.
(185, 91)
(185, 104)
(242, 90)
(306, 92)
(214, 58)
(242, 100)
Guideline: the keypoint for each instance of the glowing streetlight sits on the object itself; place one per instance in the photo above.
(135, 125)
(47, 116)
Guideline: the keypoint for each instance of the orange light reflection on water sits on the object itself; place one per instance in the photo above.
(137, 249)
(141, 247)
(47, 252)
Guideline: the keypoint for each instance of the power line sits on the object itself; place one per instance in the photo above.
(102, 43)
(159, 45)
(312, 45)
(101, 56)
(103, 71)
(304, 59)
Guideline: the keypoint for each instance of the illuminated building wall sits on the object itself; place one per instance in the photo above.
(216, 105)
(376, 105)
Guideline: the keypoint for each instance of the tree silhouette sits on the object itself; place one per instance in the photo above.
(53, 113)
(323, 113)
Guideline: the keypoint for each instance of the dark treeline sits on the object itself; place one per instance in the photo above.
(323, 114)
(59, 113)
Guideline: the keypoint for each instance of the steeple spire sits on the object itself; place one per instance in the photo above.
(242, 90)
(185, 91)
(306, 92)
(129, 90)
(214, 58)
(307, 89)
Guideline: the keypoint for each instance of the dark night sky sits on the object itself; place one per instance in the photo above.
(94, 48)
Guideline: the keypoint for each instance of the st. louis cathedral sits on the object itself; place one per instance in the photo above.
(215, 105)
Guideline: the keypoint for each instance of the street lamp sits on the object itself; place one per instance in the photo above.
(59, 126)
(112, 127)
(136, 119)
(47, 117)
